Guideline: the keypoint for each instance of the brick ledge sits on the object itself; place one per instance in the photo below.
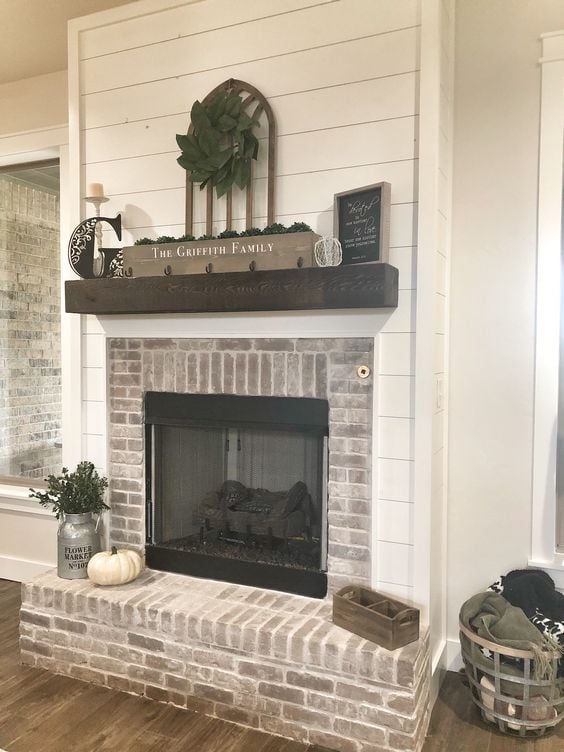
(255, 657)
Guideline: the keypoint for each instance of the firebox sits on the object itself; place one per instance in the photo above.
(236, 489)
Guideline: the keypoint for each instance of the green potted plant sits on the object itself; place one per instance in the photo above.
(74, 497)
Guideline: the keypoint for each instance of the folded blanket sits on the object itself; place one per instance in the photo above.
(492, 617)
(532, 590)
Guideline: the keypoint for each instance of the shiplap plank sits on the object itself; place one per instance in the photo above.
(94, 417)
(94, 384)
(388, 55)
(395, 563)
(396, 396)
(394, 521)
(403, 592)
(296, 194)
(396, 438)
(405, 261)
(367, 101)
(186, 19)
(397, 355)
(94, 348)
(356, 145)
(91, 325)
(263, 38)
(395, 479)
(95, 447)
(403, 318)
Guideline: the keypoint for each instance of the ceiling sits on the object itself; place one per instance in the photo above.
(46, 177)
(34, 34)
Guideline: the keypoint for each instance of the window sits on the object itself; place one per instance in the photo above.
(547, 544)
(560, 427)
(30, 330)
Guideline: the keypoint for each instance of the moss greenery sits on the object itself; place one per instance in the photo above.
(274, 229)
(78, 492)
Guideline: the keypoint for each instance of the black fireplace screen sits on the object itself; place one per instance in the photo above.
(236, 488)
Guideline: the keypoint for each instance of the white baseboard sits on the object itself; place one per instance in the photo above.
(453, 656)
(438, 661)
(21, 570)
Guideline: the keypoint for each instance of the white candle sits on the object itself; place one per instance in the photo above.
(95, 190)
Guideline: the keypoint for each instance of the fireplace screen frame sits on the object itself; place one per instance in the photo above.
(293, 414)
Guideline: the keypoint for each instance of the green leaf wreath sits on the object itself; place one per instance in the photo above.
(222, 143)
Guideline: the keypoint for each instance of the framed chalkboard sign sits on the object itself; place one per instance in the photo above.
(362, 223)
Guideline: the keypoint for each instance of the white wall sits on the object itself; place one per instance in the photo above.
(497, 86)
(435, 174)
(342, 79)
(32, 112)
(34, 103)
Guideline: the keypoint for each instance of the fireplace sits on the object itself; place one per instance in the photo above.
(236, 488)
(276, 372)
(265, 659)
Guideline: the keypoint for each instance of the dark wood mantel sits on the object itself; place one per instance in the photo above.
(357, 286)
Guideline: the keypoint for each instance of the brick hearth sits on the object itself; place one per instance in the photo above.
(255, 657)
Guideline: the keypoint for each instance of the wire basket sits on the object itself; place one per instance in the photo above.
(518, 704)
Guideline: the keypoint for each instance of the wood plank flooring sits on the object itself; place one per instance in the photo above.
(42, 712)
(456, 726)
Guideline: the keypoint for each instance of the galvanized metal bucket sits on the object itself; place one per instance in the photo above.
(78, 541)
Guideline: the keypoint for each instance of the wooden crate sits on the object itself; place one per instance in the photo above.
(376, 617)
(255, 252)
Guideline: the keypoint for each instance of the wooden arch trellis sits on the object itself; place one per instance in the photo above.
(255, 103)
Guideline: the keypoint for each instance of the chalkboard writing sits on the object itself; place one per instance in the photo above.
(362, 222)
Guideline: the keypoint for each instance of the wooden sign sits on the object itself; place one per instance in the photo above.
(362, 223)
(256, 252)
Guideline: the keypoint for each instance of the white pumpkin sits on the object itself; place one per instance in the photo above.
(115, 567)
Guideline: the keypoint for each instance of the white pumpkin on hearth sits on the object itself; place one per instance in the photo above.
(115, 567)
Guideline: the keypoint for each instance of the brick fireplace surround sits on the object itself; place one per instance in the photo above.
(256, 657)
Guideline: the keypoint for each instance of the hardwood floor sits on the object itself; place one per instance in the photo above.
(456, 726)
(42, 712)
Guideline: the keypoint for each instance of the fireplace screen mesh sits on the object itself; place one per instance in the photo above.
(254, 493)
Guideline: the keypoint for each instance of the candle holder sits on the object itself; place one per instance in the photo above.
(97, 201)
(98, 260)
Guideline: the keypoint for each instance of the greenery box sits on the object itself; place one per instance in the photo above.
(236, 254)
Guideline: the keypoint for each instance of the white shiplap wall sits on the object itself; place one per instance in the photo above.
(342, 78)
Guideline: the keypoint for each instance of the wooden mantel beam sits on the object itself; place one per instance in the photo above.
(355, 286)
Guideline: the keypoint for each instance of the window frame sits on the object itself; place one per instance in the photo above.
(549, 252)
(10, 169)
(31, 146)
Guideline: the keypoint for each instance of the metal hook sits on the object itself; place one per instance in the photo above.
(168, 270)
(209, 268)
(300, 262)
(253, 266)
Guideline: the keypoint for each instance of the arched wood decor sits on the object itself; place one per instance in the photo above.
(256, 105)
